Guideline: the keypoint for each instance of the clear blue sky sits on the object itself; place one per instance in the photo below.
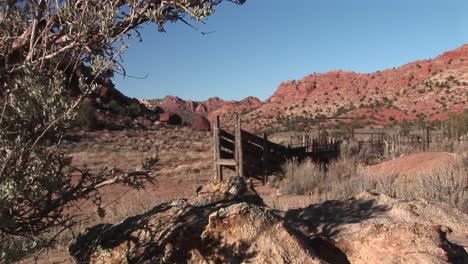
(264, 42)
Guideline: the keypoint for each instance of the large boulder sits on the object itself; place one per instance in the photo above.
(201, 123)
(170, 119)
(223, 223)
(375, 228)
(229, 223)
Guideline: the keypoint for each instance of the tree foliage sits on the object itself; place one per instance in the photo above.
(52, 54)
(57, 33)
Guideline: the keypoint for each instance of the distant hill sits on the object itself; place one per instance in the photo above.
(423, 89)
(209, 108)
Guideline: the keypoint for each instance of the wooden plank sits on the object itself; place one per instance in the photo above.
(297, 151)
(247, 147)
(428, 137)
(259, 141)
(277, 148)
(226, 162)
(225, 134)
(276, 158)
(233, 168)
(251, 137)
(218, 170)
(226, 154)
(252, 158)
(253, 167)
(240, 156)
(254, 163)
(226, 144)
(253, 153)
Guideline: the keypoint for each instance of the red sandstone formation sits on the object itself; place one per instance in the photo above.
(424, 89)
(201, 123)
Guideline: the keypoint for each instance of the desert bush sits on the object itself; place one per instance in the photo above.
(345, 178)
(115, 107)
(49, 51)
(344, 168)
(444, 185)
(86, 117)
(300, 177)
(134, 110)
(392, 152)
(349, 148)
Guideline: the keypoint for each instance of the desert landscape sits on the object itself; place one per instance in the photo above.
(335, 167)
(409, 197)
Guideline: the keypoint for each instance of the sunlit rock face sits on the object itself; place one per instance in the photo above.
(229, 223)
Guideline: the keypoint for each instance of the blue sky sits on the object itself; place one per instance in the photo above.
(264, 42)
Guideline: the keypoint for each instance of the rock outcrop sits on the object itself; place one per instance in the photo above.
(224, 223)
(229, 223)
(189, 109)
(427, 89)
(201, 123)
(170, 119)
(375, 228)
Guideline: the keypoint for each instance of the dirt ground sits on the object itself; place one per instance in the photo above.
(413, 164)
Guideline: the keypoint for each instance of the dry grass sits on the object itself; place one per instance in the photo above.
(345, 178)
(300, 177)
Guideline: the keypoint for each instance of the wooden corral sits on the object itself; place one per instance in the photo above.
(254, 156)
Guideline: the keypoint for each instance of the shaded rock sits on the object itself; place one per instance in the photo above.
(104, 92)
(225, 222)
(170, 119)
(201, 123)
(229, 223)
(375, 228)
(157, 110)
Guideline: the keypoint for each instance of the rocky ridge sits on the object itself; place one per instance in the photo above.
(427, 89)
(423, 89)
(209, 108)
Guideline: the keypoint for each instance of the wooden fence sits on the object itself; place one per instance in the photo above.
(250, 155)
(255, 156)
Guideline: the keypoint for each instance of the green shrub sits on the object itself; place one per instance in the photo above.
(134, 110)
(86, 117)
(115, 108)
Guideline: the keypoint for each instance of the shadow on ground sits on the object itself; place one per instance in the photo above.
(318, 224)
(169, 232)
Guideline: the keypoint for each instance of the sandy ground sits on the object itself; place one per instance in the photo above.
(413, 164)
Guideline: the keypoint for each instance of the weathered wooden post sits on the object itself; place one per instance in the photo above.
(238, 152)
(265, 158)
(218, 176)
